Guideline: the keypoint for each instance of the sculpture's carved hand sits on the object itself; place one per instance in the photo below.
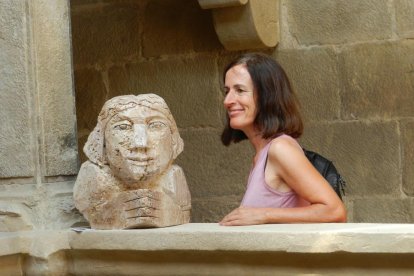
(149, 208)
(141, 208)
(138, 209)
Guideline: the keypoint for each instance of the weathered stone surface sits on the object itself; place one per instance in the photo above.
(105, 31)
(54, 264)
(407, 133)
(189, 86)
(213, 4)
(14, 217)
(13, 31)
(253, 25)
(54, 84)
(314, 75)
(291, 249)
(376, 87)
(11, 265)
(405, 17)
(377, 80)
(129, 180)
(383, 210)
(60, 200)
(211, 168)
(172, 28)
(91, 94)
(213, 209)
(367, 154)
(338, 21)
(15, 133)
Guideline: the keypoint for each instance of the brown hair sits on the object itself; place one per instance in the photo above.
(277, 104)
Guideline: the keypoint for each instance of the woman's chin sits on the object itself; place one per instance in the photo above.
(236, 125)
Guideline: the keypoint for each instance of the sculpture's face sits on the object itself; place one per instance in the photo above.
(138, 144)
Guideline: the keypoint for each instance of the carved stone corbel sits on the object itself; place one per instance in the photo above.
(245, 24)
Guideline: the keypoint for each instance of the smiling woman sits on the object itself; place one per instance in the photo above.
(283, 186)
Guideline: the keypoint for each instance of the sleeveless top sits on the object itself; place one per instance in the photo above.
(260, 194)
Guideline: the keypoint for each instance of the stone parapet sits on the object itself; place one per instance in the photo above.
(210, 249)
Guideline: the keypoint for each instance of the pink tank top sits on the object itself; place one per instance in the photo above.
(259, 194)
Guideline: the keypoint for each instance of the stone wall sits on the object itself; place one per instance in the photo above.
(38, 144)
(351, 62)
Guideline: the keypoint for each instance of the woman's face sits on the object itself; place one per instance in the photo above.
(240, 99)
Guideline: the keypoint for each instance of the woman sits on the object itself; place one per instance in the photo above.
(283, 186)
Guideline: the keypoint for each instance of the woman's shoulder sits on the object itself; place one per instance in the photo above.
(285, 140)
(283, 145)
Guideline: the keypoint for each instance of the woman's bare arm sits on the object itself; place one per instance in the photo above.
(299, 174)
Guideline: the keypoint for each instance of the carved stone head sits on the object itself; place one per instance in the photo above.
(136, 136)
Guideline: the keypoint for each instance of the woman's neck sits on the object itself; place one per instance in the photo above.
(258, 142)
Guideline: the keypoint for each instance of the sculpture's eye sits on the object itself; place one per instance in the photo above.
(123, 126)
(157, 125)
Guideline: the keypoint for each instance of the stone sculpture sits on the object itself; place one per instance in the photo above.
(130, 180)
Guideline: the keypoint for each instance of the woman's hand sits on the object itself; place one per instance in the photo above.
(245, 216)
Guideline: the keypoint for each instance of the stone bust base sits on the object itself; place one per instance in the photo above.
(210, 249)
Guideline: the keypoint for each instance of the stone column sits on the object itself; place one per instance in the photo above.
(38, 145)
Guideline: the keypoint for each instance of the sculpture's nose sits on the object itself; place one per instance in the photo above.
(140, 139)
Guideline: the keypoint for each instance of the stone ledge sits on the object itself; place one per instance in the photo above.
(303, 238)
(69, 252)
(295, 238)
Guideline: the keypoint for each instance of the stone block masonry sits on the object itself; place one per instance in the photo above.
(209, 249)
(38, 141)
(351, 63)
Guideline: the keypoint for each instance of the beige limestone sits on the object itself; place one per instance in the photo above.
(370, 87)
(316, 81)
(315, 22)
(38, 143)
(129, 180)
(54, 93)
(14, 217)
(359, 48)
(250, 25)
(173, 29)
(192, 100)
(215, 193)
(366, 154)
(115, 24)
(404, 10)
(15, 133)
(407, 131)
(349, 60)
(210, 4)
(210, 249)
(383, 210)
(213, 209)
(216, 158)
